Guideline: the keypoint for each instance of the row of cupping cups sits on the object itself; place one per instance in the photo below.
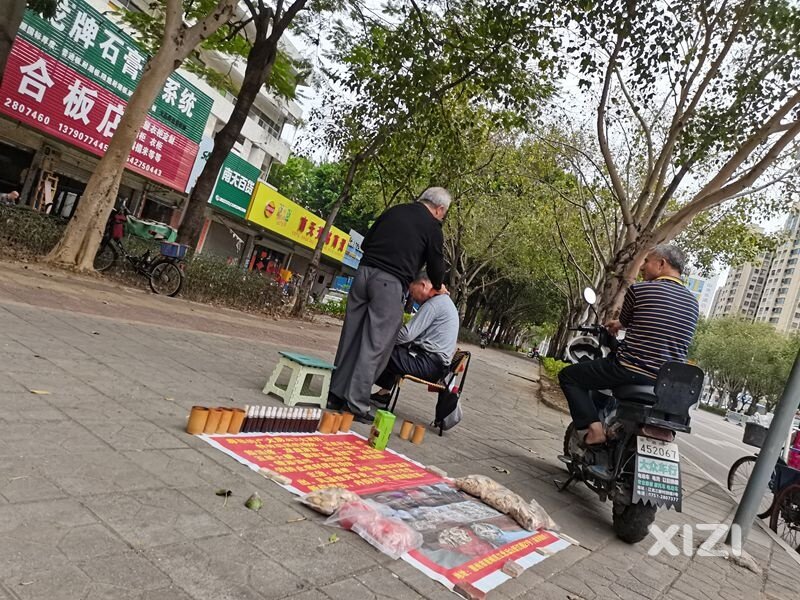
(215, 420)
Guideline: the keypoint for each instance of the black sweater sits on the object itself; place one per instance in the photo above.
(404, 238)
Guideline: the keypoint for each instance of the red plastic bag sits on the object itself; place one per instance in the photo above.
(391, 536)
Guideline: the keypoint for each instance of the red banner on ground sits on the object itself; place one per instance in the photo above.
(319, 461)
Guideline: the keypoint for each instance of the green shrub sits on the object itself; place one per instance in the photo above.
(29, 231)
(717, 410)
(210, 279)
(552, 366)
(334, 309)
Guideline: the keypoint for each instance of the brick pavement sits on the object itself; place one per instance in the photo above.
(102, 495)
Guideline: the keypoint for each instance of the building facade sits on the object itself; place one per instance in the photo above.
(740, 296)
(780, 301)
(703, 289)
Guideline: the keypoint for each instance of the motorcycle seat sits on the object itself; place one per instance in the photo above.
(643, 394)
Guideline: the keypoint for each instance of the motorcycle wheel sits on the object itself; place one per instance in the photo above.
(571, 468)
(632, 521)
(166, 278)
(105, 258)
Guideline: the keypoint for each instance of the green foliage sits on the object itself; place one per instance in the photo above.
(717, 410)
(28, 231)
(317, 187)
(213, 281)
(334, 309)
(728, 236)
(468, 336)
(738, 355)
(552, 366)
(46, 8)
(230, 39)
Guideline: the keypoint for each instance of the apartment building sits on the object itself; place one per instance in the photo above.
(703, 289)
(780, 301)
(741, 293)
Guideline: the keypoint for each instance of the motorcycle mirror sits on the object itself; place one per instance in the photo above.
(589, 295)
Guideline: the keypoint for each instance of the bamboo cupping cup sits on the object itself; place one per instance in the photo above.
(197, 420)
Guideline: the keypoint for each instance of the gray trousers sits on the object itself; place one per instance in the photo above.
(373, 318)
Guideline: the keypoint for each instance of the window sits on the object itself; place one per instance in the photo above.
(791, 261)
(778, 302)
(774, 320)
(782, 291)
(777, 310)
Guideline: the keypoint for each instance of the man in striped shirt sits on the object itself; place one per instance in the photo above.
(659, 316)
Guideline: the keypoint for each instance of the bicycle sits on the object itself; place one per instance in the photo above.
(781, 501)
(164, 271)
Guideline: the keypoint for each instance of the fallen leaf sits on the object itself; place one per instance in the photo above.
(297, 520)
(254, 502)
(169, 399)
(40, 392)
(333, 539)
(501, 470)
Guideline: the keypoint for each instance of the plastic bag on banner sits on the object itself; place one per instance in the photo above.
(328, 500)
(391, 536)
(529, 515)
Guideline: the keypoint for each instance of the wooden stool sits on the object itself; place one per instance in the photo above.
(303, 368)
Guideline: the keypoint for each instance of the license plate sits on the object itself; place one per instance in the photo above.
(646, 446)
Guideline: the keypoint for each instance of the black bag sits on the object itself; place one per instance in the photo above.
(448, 410)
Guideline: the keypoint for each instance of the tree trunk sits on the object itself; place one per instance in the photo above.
(10, 19)
(299, 308)
(260, 61)
(82, 236)
(84, 231)
(616, 282)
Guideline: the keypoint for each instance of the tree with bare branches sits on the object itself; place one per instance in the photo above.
(695, 105)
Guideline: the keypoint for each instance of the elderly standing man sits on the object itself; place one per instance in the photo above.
(399, 243)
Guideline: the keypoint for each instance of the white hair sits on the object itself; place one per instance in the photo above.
(436, 196)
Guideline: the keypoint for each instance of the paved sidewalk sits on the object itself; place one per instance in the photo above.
(102, 494)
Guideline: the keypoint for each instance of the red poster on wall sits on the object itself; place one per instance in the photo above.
(46, 95)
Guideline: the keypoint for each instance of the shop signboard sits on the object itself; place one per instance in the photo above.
(353, 253)
(277, 213)
(235, 184)
(71, 78)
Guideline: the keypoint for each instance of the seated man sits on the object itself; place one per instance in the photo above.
(659, 315)
(425, 346)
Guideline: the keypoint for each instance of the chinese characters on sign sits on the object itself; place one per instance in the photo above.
(313, 462)
(71, 78)
(657, 481)
(86, 115)
(275, 212)
(235, 184)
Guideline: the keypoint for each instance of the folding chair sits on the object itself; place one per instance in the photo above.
(458, 367)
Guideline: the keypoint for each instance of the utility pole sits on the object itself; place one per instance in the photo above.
(770, 451)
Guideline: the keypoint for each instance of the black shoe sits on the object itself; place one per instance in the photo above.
(380, 400)
(366, 417)
(335, 403)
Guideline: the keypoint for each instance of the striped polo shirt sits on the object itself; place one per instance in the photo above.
(659, 317)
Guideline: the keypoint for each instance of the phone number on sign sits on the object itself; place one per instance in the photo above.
(136, 162)
(27, 111)
(82, 137)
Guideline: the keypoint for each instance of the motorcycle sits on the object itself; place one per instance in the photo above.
(638, 468)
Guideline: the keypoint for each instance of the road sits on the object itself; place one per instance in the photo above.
(714, 444)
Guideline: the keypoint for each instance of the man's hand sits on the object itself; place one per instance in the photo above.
(440, 291)
(613, 327)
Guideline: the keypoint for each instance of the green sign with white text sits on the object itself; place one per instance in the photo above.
(235, 184)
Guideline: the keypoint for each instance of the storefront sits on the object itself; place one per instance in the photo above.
(64, 91)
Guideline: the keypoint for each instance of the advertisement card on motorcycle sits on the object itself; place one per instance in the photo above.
(657, 482)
